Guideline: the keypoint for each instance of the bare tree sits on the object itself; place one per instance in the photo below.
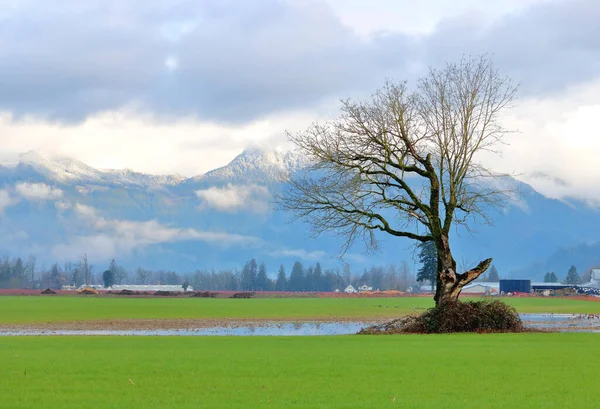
(31, 268)
(406, 163)
(142, 275)
(85, 269)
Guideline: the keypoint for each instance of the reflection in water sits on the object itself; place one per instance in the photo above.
(558, 322)
(268, 329)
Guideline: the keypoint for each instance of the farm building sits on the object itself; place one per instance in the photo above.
(483, 288)
(595, 277)
(426, 289)
(149, 288)
(350, 289)
(365, 287)
(515, 286)
(549, 286)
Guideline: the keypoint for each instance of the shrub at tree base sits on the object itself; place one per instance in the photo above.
(472, 316)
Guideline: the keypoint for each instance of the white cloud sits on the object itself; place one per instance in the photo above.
(63, 205)
(114, 237)
(118, 140)
(417, 18)
(556, 145)
(236, 197)
(299, 253)
(37, 191)
(5, 200)
(291, 73)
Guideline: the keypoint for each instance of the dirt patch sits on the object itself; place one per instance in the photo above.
(48, 291)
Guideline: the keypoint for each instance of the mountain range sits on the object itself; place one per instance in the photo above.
(59, 209)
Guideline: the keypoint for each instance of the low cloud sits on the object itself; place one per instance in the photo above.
(300, 253)
(37, 191)
(114, 237)
(232, 198)
(5, 200)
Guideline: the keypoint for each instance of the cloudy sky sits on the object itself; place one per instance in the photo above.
(183, 86)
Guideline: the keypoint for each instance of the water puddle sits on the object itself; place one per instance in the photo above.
(563, 322)
(266, 329)
(553, 322)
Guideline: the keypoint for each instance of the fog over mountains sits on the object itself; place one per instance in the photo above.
(58, 209)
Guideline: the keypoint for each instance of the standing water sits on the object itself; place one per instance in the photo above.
(552, 322)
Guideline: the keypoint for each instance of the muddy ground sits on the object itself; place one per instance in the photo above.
(175, 324)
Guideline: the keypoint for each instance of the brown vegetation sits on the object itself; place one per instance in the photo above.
(472, 316)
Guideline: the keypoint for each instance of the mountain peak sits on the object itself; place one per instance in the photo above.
(64, 169)
(276, 164)
(61, 168)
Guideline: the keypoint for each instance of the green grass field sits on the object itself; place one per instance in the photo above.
(409, 371)
(22, 309)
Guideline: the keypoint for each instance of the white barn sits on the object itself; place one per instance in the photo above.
(350, 289)
(149, 287)
(595, 277)
(483, 288)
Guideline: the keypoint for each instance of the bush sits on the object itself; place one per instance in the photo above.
(243, 295)
(472, 316)
(205, 294)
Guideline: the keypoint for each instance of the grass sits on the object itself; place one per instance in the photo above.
(442, 371)
(22, 309)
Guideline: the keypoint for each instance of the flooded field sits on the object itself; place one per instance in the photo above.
(550, 322)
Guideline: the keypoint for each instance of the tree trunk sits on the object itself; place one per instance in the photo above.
(449, 282)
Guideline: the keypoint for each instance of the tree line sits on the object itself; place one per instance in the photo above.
(253, 276)
(572, 276)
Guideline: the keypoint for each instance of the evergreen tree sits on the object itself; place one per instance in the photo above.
(108, 278)
(249, 273)
(262, 281)
(493, 275)
(309, 279)
(19, 269)
(118, 272)
(296, 282)
(572, 276)
(318, 278)
(281, 284)
(428, 257)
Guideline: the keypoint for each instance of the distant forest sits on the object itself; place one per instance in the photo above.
(253, 276)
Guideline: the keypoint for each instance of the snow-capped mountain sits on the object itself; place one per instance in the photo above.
(254, 164)
(64, 170)
(60, 208)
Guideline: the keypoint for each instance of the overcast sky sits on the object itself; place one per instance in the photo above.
(182, 87)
